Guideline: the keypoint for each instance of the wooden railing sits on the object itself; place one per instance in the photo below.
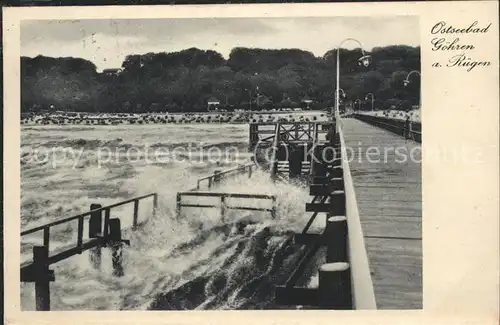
(209, 181)
(394, 125)
(363, 296)
(223, 202)
(264, 133)
(109, 235)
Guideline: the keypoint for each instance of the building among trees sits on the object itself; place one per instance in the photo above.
(307, 101)
(213, 104)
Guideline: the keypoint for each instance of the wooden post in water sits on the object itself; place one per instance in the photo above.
(115, 243)
(334, 288)
(250, 171)
(335, 238)
(95, 230)
(43, 277)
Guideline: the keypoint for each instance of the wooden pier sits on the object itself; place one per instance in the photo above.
(389, 197)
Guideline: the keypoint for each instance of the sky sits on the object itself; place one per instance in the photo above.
(106, 42)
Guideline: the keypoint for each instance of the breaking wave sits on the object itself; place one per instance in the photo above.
(193, 261)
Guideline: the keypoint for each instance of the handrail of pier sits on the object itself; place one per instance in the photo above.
(363, 295)
(393, 125)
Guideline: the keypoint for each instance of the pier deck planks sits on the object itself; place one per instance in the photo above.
(389, 195)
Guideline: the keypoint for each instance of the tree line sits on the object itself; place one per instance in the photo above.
(184, 81)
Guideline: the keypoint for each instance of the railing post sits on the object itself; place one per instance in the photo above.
(79, 237)
(274, 170)
(95, 230)
(273, 209)
(46, 237)
(222, 207)
(217, 177)
(178, 205)
(115, 243)
(43, 276)
(334, 287)
(155, 204)
(136, 213)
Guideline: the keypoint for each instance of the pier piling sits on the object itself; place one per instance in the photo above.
(337, 203)
(335, 237)
(334, 286)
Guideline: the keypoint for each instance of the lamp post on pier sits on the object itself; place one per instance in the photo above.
(249, 99)
(364, 60)
(258, 96)
(373, 99)
(358, 100)
(407, 81)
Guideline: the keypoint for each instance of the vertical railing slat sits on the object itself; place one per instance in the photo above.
(46, 237)
(136, 213)
(155, 204)
(79, 239)
(222, 206)
(107, 213)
